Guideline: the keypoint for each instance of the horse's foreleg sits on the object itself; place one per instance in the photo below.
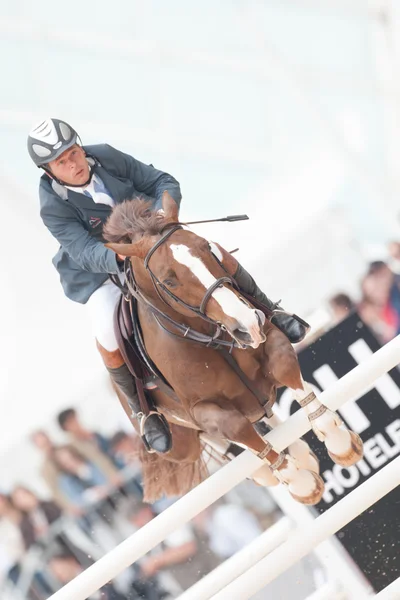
(300, 451)
(227, 422)
(344, 446)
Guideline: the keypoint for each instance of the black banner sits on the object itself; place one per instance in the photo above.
(373, 539)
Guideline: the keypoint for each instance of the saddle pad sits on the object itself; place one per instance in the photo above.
(127, 344)
(129, 337)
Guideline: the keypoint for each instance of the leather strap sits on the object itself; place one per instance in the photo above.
(217, 283)
(264, 453)
(305, 401)
(135, 372)
(267, 405)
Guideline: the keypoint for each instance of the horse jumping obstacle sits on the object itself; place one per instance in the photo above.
(305, 539)
(350, 386)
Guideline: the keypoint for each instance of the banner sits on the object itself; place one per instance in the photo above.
(373, 539)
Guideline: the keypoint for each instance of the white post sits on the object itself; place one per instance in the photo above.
(391, 592)
(218, 484)
(337, 564)
(305, 539)
(240, 562)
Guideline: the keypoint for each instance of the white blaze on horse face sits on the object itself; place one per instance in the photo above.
(228, 301)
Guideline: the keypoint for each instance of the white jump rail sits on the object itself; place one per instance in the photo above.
(337, 565)
(391, 592)
(306, 538)
(109, 566)
(328, 591)
(240, 562)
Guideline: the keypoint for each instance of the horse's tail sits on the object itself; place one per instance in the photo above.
(177, 472)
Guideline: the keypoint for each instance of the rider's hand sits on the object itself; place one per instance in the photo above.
(149, 567)
(120, 257)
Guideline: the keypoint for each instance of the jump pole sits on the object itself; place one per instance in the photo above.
(391, 592)
(240, 562)
(218, 484)
(300, 543)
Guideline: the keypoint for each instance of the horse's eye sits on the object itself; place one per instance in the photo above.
(171, 283)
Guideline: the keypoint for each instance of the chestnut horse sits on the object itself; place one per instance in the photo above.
(177, 274)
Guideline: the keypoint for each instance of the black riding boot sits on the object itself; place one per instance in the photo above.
(156, 433)
(292, 326)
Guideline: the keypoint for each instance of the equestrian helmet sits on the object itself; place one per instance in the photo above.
(49, 139)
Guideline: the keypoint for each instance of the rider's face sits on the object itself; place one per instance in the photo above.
(71, 166)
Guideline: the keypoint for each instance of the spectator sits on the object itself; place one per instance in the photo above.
(49, 470)
(341, 306)
(65, 567)
(79, 479)
(175, 553)
(125, 447)
(125, 450)
(11, 541)
(394, 261)
(376, 307)
(94, 446)
(37, 515)
(225, 539)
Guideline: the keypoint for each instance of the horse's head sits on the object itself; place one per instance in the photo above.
(182, 267)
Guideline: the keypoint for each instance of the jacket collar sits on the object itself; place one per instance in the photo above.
(118, 189)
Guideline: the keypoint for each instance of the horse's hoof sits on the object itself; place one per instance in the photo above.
(353, 455)
(306, 460)
(316, 494)
(313, 463)
(265, 477)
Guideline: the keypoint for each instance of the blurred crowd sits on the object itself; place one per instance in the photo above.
(95, 495)
(379, 304)
(95, 501)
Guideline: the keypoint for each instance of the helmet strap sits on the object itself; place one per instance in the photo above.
(91, 161)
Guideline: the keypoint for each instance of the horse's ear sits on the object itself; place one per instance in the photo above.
(170, 207)
(138, 249)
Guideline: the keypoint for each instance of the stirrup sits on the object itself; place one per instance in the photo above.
(142, 418)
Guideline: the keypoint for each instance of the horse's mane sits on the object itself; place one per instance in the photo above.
(132, 219)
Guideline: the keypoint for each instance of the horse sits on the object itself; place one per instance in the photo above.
(188, 307)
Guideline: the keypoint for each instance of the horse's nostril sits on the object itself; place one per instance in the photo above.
(242, 335)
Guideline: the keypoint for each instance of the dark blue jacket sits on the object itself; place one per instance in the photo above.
(76, 221)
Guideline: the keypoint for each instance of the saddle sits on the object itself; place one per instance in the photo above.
(130, 341)
(145, 372)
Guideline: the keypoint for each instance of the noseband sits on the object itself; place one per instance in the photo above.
(200, 310)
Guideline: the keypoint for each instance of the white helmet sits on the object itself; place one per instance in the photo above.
(49, 139)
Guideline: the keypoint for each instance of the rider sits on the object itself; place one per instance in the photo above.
(77, 190)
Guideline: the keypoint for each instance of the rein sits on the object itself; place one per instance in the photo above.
(183, 331)
(199, 311)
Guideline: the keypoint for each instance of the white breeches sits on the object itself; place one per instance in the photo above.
(101, 306)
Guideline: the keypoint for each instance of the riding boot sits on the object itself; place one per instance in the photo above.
(292, 326)
(156, 433)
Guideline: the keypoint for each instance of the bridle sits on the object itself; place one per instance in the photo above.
(200, 310)
(213, 340)
(180, 330)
